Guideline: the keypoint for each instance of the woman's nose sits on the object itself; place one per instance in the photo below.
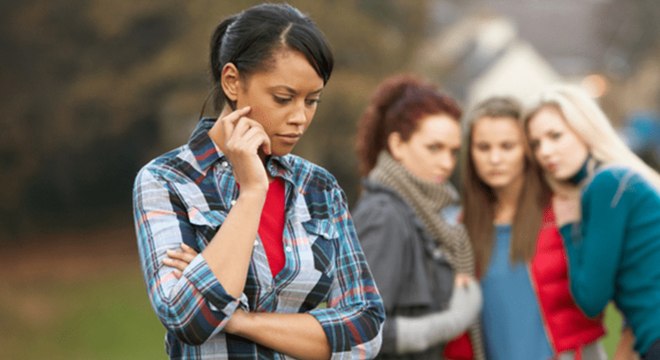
(299, 115)
(544, 148)
(447, 161)
(495, 156)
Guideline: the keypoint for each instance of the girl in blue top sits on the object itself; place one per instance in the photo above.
(607, 203)
(528, 312)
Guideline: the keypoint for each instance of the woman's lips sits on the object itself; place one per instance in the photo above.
(289, 138)
(551, 167)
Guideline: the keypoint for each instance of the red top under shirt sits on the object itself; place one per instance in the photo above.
(271, 226)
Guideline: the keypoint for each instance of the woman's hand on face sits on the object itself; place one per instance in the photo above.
(240, 139)
(179, 259)
(567, 209)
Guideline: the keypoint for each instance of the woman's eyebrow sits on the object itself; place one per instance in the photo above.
(291, 90)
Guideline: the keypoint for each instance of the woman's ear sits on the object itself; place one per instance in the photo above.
(394, 144)
(230, 81)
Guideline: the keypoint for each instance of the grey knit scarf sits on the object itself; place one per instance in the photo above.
(427, 200)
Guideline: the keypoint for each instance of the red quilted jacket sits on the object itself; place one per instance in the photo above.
(567, 327)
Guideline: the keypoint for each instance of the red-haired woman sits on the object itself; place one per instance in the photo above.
(406, 219)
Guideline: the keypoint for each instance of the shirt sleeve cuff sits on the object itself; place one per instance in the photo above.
(200, 275)
(332, 324)
(347, 338)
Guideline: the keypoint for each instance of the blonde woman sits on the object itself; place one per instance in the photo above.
(608, 210)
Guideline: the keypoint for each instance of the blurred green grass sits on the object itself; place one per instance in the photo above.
(98, 311)
(106, 317)
(613, 325)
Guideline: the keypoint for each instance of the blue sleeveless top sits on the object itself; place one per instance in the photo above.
(511, 317)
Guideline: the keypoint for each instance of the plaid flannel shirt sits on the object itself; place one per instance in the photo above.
(185, 195)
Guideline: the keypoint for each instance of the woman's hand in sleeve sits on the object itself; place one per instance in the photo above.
(462, 280)
(179, 259)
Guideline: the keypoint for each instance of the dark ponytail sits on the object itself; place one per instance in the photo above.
(250, 39)
(398, 105)
(216, 67)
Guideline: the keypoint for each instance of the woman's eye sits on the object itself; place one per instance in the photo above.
(555, 135)
(482, 147)
(312, 102)
(433, 148)
(282, 100)
(508, 146)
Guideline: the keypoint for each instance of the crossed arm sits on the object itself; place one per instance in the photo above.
(297, 335)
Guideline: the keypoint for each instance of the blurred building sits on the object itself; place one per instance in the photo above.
(482, 55)
(610, 47)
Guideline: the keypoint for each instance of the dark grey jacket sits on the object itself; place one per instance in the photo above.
(412, 275)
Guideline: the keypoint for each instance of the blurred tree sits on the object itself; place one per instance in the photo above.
(93, 89)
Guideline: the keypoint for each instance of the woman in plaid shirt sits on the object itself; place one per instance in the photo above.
(248, 251)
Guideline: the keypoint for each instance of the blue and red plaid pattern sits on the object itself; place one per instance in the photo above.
(184, 196)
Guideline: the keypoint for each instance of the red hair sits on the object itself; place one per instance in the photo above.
(398, 105)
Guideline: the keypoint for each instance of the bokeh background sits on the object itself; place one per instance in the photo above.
(93, 89)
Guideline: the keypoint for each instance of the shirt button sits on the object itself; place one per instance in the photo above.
(288, 249)
(225, 164)
(233, 202)
(256, 243)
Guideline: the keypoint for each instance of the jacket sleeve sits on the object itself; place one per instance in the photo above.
(416, 334)
(354, 317)
(196, 306)
(385, 238)
(384, 235)
(594, 245)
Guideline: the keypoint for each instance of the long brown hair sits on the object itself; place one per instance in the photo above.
(479, 199)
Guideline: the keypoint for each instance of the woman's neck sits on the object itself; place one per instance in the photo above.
(584, 171)
(563, 188)
(507, 201)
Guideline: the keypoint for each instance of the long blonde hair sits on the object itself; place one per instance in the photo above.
(479, 199)
(583, 115)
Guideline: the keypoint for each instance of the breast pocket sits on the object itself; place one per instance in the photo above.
(323, 236)
(317, 272)
(206, 224)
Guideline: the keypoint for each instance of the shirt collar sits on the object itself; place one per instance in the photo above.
(202, 146)
(280, 166)
(207, 153)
